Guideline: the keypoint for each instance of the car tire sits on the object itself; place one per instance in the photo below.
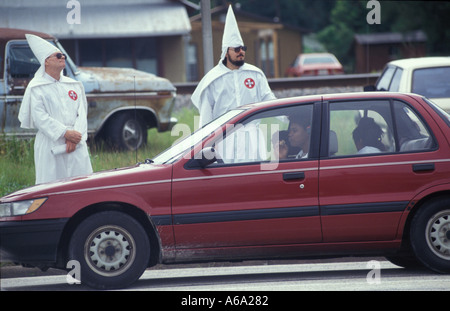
(112, 248)
(430, 235)
(126, 131)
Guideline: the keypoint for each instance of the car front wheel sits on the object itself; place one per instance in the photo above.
(112, 248)
(430, 235)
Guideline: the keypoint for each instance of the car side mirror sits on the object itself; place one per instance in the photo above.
(370, 88)
(202, 159)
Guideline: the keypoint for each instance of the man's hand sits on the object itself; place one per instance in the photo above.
(70, 146)
(283, 150)
(72, 136)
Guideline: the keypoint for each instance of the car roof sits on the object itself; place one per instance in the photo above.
(327, 97)
(421, 62)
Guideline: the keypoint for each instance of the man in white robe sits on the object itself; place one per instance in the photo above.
(232, 82)
(57, 107)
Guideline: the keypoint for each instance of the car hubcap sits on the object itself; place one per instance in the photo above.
(438, 234)
(110, 250)
(132, 135)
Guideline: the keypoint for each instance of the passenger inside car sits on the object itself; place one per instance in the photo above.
(297, 144)
(368, 136)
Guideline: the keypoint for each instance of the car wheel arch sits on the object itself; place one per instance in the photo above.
(416, 206)
(131, 210)
(111, 132)
(149, 116)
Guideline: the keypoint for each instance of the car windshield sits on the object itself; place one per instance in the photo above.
(432, 82)
(182, 145)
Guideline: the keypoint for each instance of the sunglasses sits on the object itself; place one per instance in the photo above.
(243, 48)
(59, 55)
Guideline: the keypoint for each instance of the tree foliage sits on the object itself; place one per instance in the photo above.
(337, 21)
(349, 18)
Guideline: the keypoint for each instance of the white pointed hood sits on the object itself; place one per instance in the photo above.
(41, 49)
(231, 35)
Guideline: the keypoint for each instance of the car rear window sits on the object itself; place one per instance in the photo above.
(318, 60)
(441, 112)
(432, 82)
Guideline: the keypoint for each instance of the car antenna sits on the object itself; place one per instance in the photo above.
(135, 118)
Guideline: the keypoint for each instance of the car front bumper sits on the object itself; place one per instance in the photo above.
(33, 242)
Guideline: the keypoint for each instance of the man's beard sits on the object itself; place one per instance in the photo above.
(237, 63)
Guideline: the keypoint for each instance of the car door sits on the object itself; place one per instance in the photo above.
(364, 190)
(249, 197)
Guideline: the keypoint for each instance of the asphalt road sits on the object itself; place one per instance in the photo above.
(362, 274)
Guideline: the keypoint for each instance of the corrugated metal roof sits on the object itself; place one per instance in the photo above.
(112, 19)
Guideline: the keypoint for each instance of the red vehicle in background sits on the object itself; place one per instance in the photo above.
(314, 64)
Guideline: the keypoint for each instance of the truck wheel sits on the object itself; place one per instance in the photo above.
(113, 250)
(430, 235)
(127, 132)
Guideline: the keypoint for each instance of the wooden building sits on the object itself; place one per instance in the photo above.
(373, 51)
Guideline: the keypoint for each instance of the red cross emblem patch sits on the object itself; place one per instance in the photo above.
(73, 95)
(249, 83)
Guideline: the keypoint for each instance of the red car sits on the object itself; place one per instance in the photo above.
(332, 175)
(314, 64)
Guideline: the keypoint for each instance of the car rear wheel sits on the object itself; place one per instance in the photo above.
(430, 235)
(112, 248)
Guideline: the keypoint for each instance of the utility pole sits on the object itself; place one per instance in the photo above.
(208, 61)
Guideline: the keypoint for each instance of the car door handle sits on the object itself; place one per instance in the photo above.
(294, 176)
(423, 167)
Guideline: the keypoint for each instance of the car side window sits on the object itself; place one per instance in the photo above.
(413, 134)
(22, 62)
(281, 134)
(359, 128)
(372, 127)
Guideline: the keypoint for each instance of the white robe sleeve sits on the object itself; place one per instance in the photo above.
(49, 126)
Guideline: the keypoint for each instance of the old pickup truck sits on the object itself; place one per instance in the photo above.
(123, 103)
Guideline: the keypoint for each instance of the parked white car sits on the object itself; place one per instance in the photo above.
(427, 76)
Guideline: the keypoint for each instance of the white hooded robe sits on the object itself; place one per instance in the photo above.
(53, 107)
